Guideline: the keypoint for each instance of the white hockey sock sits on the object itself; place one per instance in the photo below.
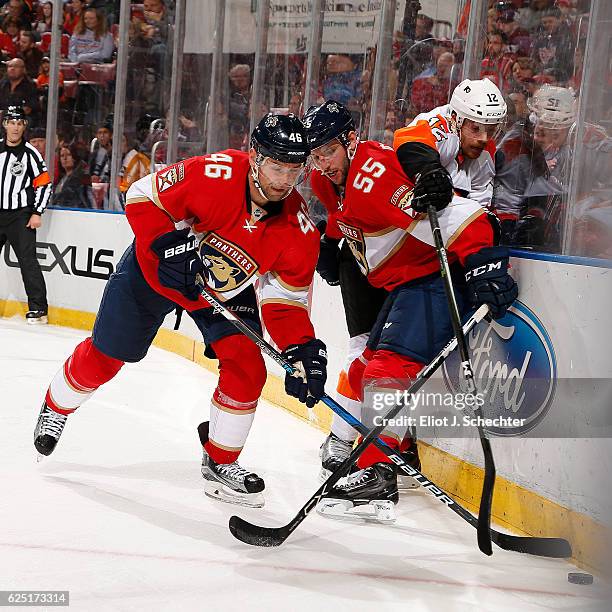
(339, 426)
(230, 422)
(65, 395)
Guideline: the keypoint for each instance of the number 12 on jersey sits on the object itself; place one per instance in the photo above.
(365, 183)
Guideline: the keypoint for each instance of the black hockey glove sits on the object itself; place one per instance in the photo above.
(179, 262)
(433, 185)
(488, 280)
(327, 265)
(310, 361)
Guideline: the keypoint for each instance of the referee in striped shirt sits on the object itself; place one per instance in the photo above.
(25, 189)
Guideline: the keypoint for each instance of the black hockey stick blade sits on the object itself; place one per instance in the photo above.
(255, 535)
(556, 548)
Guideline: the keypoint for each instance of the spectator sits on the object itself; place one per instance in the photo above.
(38, 139)
(554, 43)
(11, 29)
(517, 39)
(91, 42)
(531, 17)
(45, 15)
(343, 81)
(433, 91)
(497, 62)
(29, 53)
(519, 99)
(239, 96)
(73, 15)
(421, 52)
(134, 166)
(73, 189)
(17, 89)
(42, 83)
(491, 20)
(7, 44)
(99, 159)
(19, 12)
(440, 46)
(155, 31)
(523, 71)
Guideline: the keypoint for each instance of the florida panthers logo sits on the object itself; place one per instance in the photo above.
(228, 266)
(355, 240)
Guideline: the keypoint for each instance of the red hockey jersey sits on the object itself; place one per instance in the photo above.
(240, 242)
(392, 243)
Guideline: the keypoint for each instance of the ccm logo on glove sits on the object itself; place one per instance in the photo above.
(494, 265)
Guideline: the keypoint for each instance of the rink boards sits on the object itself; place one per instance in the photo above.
(546, 485)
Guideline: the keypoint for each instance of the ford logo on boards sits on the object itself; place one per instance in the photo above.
(514, 366)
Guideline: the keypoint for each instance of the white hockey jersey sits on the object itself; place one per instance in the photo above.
(472, 177)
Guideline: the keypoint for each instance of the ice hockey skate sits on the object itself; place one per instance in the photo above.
(333, 452)
(367, 495)
(48, 430)
(411, 457)
(36, 317)
(230, 482)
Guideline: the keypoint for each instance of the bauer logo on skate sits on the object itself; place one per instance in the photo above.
(228, 266)
(514, 366)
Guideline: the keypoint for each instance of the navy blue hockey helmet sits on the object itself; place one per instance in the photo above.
(326, 122)
(281, 137)
(14, 112)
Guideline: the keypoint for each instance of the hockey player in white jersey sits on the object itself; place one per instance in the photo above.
(463, 134)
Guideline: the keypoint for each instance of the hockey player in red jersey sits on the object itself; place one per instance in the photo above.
(235, 218)
(437, 161)
(362, 302)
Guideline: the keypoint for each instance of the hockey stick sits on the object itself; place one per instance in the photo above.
(546, 547)
(486, 499)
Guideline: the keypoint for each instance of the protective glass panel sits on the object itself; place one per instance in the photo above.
(87, 76)
(589, 217)
(347, 57)
(229, 40)
(535, 55)
(426, 61)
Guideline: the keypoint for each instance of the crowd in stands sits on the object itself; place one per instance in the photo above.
(86, 87)
(530, 44)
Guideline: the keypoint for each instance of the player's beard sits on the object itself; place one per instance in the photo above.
(338, 176)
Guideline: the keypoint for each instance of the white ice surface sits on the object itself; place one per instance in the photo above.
(117, 515)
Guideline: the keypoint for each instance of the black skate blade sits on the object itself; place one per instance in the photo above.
(256, 535)
(555, 548)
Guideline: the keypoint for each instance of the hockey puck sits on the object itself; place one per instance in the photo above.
(580, 578)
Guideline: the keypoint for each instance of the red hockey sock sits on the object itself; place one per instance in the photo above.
(82, 373)
(392, 370)
(242, 375)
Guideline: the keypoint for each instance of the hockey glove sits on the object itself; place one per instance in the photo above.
(327, 265)
(310, 361)
(433, 185)
(179, 262)
(488, 281)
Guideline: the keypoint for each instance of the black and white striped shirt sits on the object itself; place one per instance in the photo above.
(24, 180)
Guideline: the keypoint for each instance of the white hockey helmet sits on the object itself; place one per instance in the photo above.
(479, 100)
(553, 107)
